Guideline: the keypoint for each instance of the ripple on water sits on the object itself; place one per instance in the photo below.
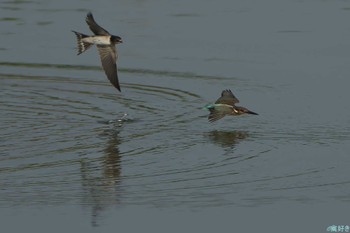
(59, 131)
(75, 139)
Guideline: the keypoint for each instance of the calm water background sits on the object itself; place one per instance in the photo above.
(78, 156)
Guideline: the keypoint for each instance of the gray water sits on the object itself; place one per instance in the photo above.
(78, 156)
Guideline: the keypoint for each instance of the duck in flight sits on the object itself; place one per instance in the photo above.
(105, 43)
(225, 105)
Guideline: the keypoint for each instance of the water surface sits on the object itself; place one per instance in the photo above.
(73, 149)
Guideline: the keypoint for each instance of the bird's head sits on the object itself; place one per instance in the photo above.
(242, 110)
(116, 39)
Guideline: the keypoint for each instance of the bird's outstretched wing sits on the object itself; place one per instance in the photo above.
(214, 116)
(94, 27)
(228, 98)
(108, 59)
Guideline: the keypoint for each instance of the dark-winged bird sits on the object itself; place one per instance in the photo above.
(225, 105)
(105, 43)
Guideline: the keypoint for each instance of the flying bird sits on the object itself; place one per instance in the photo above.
(105, 43)
(225, 105)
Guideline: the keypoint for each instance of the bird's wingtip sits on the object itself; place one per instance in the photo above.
(89, 16)
(117, 86)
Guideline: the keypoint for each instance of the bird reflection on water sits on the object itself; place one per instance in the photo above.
(227, 139)
(101, 176)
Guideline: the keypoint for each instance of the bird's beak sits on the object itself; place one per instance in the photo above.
(253, 113)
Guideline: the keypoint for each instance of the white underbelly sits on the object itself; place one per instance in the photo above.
(100, 40)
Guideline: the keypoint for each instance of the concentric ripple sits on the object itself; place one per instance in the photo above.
(68, 136)
(71, 136)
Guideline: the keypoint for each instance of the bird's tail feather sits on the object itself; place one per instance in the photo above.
(209, 106)
(82, 45)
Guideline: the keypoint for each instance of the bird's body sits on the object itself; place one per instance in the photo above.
(225, 105)
(105, 43)
(97, 40)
